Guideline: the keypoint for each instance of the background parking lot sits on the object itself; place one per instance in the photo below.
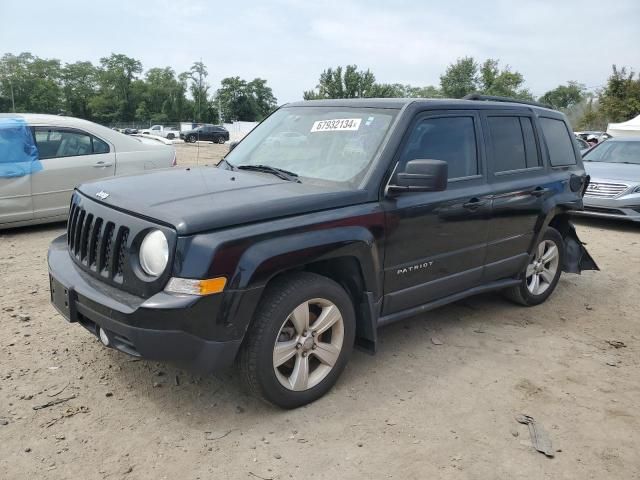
(438, 400)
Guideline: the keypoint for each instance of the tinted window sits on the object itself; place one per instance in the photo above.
(508, 144)
(452, 139)
(530, 147)
(57, 143)
(558, 141)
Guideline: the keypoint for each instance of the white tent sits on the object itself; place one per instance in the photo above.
(630, 128)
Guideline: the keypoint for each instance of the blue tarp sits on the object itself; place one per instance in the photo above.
(18, 151)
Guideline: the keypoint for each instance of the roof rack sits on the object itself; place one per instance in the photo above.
(493, 98)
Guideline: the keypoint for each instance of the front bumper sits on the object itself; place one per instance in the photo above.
(625, 207)
(163, 327)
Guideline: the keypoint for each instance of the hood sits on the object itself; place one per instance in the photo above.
(198, 199)
(613, 171)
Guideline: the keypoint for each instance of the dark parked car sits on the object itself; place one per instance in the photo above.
(285, 257)
(210, 133)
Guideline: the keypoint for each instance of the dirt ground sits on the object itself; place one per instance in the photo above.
(437, 401)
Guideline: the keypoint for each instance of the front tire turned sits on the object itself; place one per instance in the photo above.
(300, 340)
(542, 272)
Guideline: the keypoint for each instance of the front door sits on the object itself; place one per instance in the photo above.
(69, 157)
(436, 241)
(18, 160)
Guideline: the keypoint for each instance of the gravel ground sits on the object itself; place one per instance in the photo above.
(439, 399)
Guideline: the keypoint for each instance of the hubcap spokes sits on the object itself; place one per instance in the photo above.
(543, 267)
(308, 344)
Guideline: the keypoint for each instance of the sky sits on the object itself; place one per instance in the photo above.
(290, 42)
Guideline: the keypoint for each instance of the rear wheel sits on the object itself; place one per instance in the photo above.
(541, 275)
(300, 340)
(171, 136)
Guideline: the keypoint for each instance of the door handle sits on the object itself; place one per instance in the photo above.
(539, 191)
(102, 164)
(474, 204)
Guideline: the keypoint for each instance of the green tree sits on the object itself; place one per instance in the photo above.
(466, 76)
(199, 89)
(116, 100)
(460, 78)
(620, 98)
(80, 84)
(504, 83)
(265, 101)
(350, 83)
(564, 96)
(31, 84)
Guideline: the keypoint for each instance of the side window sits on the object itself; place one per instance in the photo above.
(558, 141)
(530, 148)
(452, 139)
(514, 144)
(508, 144)
(60, 142)
(99, 146)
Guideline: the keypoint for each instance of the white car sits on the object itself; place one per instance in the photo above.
(44, 157)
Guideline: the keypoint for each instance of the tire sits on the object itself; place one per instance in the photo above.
(171, 136)
(221, 140)
(275, 331)
(540, 278)
(191, 138)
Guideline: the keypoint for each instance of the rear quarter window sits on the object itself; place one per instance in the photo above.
(559, 142)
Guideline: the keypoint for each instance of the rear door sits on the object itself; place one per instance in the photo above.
(69, 157)
(519, 180)
(436, 241)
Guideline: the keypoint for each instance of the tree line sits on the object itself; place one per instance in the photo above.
(117, 90)
(617, 101)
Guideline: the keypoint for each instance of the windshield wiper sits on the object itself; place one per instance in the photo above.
(278, 172)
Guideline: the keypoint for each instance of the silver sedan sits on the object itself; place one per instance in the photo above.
(614, 190)
(44, 157)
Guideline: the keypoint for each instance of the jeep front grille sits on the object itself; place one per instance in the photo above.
(97, 244)
(605, 190)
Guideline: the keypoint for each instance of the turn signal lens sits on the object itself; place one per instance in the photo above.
(190, 286)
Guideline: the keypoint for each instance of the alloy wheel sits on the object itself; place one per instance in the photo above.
(308, 344)
(543, 267)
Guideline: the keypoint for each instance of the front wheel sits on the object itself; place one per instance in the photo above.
(300, 340)
(541, 275)
(191, 139)
(221, 140)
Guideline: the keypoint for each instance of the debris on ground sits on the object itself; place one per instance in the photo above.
(69, 412)
(436, 341)
(54, 402)
(616, 343)
(539, 437)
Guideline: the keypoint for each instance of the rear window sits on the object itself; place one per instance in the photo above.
(558, 141)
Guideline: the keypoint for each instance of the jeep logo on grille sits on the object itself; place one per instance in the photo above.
(102, 194)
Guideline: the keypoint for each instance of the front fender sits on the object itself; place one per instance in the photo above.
(268, 258)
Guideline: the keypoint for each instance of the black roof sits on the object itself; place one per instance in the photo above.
(398, 103)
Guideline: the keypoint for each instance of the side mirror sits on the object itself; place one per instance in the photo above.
(233, 145)
(422, 176)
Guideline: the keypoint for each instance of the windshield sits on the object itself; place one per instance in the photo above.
(615, 151)
(319, 144)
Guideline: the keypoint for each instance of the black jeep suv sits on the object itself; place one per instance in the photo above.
(287, 255)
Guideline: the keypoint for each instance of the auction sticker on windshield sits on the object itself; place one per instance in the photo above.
(337, 124)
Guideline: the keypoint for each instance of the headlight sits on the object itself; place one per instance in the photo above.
(636, 190)
(154, 253)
